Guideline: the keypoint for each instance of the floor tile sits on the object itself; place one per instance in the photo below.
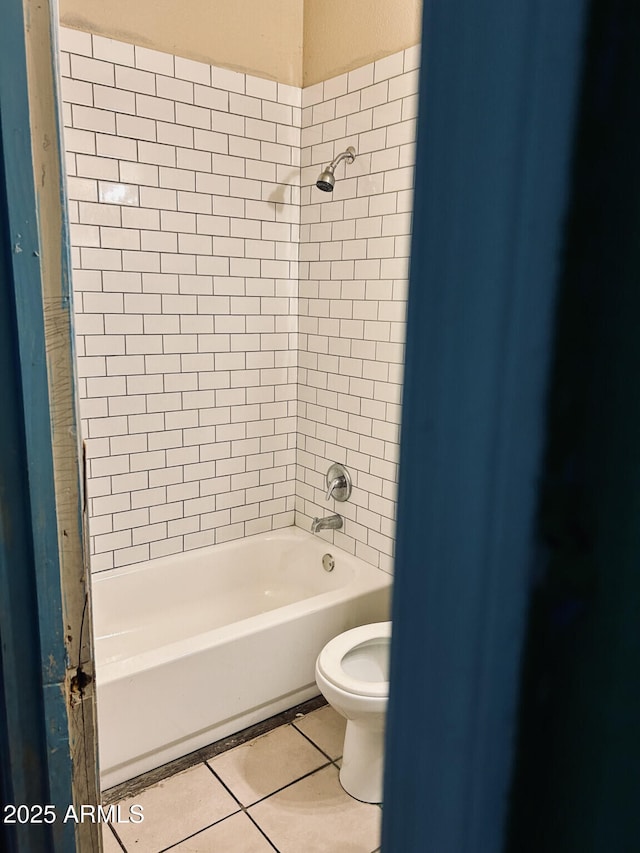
(175, 809)
(317, 816)
(235, 834)
(325, 727)
(109, 843)
(261, 766)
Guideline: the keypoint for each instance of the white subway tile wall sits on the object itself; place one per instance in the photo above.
(235, 333)
(185, 209)
(353, 272)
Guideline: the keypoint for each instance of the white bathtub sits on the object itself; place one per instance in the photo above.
(195, 647)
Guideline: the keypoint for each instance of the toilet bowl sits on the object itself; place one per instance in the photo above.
(352, 673)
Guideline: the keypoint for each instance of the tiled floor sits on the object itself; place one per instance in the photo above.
(278, 792)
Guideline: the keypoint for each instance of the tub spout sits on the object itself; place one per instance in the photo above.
(331, 522)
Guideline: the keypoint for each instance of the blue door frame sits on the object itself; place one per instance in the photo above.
(37, 616)
(497, 103)
(498, 93)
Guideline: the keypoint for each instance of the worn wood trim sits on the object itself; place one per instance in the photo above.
(41, 28)
(43, 314)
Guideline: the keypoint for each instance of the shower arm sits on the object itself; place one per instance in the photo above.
(349, 154)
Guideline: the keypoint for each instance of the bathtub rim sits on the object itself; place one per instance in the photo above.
(367, 578)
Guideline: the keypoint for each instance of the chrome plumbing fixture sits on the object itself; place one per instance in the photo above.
(331, 522)
(327, 179)
(338, 483)
(328, 563)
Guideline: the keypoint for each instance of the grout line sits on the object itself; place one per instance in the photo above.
(195, 834)
(261, 830)
(243, 808)
(277, 791)
(117, 837)
(326, 755)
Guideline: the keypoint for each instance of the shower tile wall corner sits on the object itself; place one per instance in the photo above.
(353, 275)
(235, 332)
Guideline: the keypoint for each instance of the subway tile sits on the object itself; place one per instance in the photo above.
(89, 118)
(85, 235)
(223, 78)
(140, 217)
(409, 107)
(65, 66)
(223, 122)
(163, 199)
(258, 87)
(324, 111)
(280, 113)
(102, 259)
(398, 179)
(174, 134)
(404, 85)
(412, 57)
(358, 123)
(312, 95)
(192, 116)
(117, 193)
(245, 247)
(92, 70)
(174, 90)
(154, 60)
(241, 147)
(188, 69)
(197, 160)
(383, 203)
(389, 66)
(134, 80)
(361, 77)
(211, 141)
(119, 238)
(75, 41)
(88, 166)
(335, 129)
(118, 147)
(136, 127)
(407, 156)
(67, 112)
(76, 92)
(81, 141)
(291, 95)
(227, 165)
(386, 114)
(112, 50)
(245, 106)
(195, 244)
(141, 261)
(260, 129)
(335, 86)
(191, 202)
(155, 108)
(139, 173)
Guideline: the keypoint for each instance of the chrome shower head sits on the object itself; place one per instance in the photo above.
(327, 179)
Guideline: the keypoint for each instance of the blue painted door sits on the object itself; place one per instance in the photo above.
(498, 94)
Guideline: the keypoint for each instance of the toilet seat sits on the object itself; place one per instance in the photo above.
(330, 659)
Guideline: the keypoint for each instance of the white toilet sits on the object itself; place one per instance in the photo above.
(352, 673)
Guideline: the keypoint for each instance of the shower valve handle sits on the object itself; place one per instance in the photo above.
(338, 483)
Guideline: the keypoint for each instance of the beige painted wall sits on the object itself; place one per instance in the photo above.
(261, 37)
(343, 34)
